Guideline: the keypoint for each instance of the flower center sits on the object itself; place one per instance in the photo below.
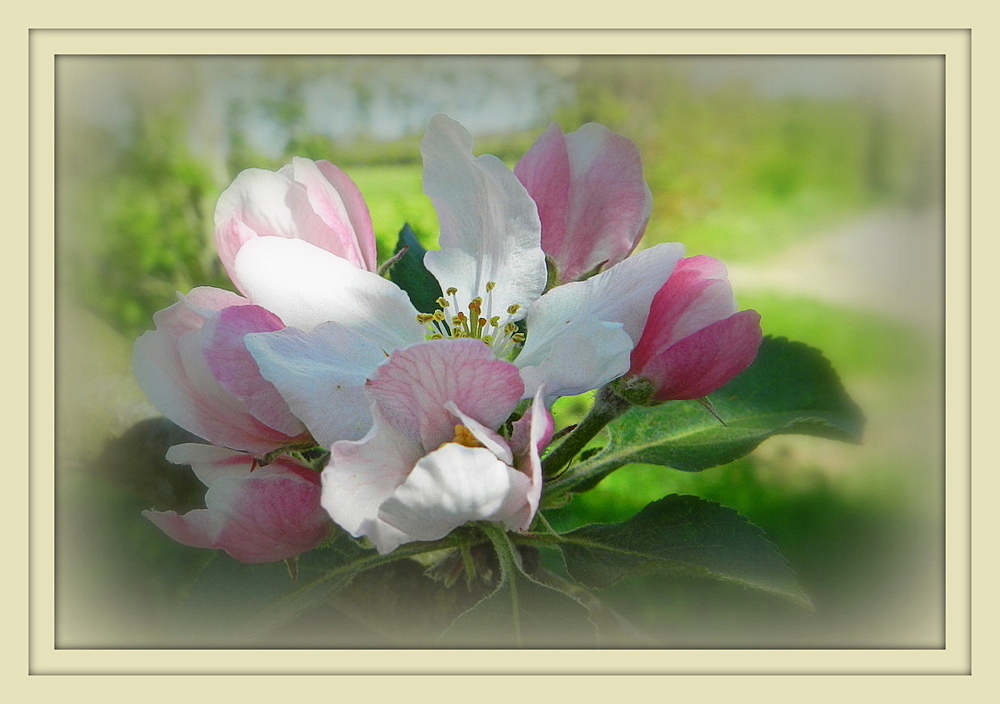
(499, 332)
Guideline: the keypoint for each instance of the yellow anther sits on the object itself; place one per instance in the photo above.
(443, 302)
(424, 318)
(518, 337)
(510, 328)
(465, 437)
(495, 321)
(451, 291)
(436, 336)
(490, 285)
(439, 316)
(455, 320)
(513, 308)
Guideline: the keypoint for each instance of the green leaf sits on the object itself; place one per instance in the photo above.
(680, 535)
(789, 389)
(410, 274)
(521, 612)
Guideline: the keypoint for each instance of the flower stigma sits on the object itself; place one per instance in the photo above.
(499, 333)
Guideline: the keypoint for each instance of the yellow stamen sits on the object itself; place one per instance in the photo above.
(464, 437)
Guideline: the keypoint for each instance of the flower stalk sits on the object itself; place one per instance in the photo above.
(608, 405)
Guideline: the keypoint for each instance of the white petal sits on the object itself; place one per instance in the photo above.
(450, 487)
(586, 330)
(305, 286)
(362, 474)
(321, 375)
(490, 439)
(489, 225)
(583, 356)
(210, 462)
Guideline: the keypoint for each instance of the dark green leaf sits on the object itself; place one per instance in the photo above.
(523, 613)
(789, 389)
(680, 535)
(410, 274)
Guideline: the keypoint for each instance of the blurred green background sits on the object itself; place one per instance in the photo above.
(818, 180)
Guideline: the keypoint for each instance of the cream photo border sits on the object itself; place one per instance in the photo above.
(41, 658)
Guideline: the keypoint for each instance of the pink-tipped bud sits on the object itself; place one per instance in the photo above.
(695, 341)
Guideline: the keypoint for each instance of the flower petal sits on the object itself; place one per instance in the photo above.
(448, 488)
(583, 356)
(315, 202)
(490, 439)
(697, 294)
(305, 286)
(262, 514)
(591, 196)
(171, 369)
(580, 334)
(706, 360)
(489, 225)
(364, 473)
(335, 198)
(236, 371)
(413, 387)
(321, 375)
(531, 434)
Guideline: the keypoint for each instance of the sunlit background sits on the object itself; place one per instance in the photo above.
(818, 180)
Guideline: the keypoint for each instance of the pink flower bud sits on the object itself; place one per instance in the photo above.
(310, 200)
(591, 197)
(695, 341)
(256, 514)
(196, 370)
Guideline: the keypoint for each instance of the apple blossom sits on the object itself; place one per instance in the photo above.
(255, 513)
(309, 200)
(592, 200)
(695, 340)
(433, 459)
(195, 369)
(491, 267)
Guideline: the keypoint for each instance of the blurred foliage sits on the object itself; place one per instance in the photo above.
(740, 175)
(734, 173)
(152, 211)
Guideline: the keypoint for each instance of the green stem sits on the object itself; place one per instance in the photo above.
(607, 406)
(508, 558)
(316, 592)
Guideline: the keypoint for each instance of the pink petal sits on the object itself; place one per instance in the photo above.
(532, 433)
(191, 310)
(236, 371)
(593, 202)
(701, 363)
(696, 295)
(357, 213)
(414, 385)
(171, 369)
(305, 200)
(545, 172)
(194, 529)
(258, 515)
